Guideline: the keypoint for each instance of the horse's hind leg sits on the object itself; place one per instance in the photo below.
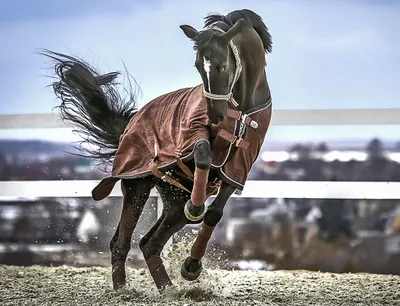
(135, 194)
(171, 221)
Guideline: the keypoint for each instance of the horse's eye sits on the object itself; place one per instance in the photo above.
(221, 69)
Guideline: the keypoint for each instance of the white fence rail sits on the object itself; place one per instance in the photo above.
(253, 189)
(378, 116)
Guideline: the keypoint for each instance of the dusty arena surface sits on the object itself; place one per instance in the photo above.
(92, 286)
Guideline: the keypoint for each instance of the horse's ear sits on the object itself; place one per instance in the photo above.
(189, 31)
(235, 30)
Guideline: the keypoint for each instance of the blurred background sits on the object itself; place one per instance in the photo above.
(326, 55)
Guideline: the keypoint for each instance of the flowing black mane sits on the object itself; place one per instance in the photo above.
(230, 19)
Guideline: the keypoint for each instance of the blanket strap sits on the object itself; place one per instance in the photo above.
(212, 187)
(239, 142)
(184, 168)
(239, 116)
(165, 177)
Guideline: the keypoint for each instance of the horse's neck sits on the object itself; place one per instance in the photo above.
(251, 90)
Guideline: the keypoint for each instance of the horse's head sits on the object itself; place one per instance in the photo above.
(217, 64)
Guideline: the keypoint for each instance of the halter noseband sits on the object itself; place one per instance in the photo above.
(228, 97)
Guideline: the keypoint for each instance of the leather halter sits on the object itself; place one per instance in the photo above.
(229, 96)
(244, 119)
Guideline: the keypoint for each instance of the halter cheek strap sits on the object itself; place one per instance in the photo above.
(229, 96)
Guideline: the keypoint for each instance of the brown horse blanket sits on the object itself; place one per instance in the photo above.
(169, 127)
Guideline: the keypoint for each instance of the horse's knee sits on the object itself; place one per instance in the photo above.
(202, 155)
(202, 146)
(212, 217)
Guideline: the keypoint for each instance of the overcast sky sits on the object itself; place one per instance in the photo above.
(326, 54)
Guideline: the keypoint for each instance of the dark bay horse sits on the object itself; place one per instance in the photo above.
(229, 112)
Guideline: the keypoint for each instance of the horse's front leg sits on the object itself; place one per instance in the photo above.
(192, 266)
(195, 208)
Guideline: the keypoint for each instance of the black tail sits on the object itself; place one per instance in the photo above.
(91, 103)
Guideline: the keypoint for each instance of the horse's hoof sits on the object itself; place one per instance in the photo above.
(194, 213)
(191, 269)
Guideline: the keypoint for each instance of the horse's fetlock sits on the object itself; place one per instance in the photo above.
(120, 252)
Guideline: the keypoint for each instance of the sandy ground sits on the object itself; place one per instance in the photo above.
(68, 285)
(92, 286)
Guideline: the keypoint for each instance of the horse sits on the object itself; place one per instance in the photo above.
(189, 144)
